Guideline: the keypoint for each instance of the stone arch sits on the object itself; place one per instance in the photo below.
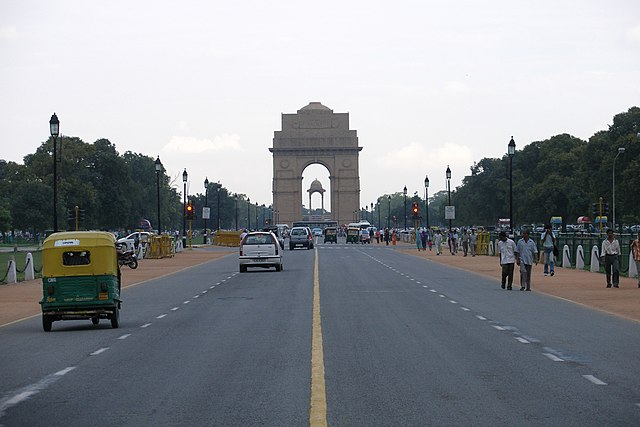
(315, 134)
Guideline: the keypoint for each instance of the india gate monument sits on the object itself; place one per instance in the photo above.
(315, 135)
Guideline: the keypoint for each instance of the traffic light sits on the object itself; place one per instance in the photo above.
(415, 209)
(594, 210)
(81, 214)
(606, 209)
(189, 211)
(71, 215)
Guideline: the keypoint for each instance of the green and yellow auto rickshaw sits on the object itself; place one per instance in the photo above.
(330, 235)
(353, 235)
(80, 278)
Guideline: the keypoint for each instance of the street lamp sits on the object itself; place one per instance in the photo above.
(511, 150)
(620, 151)
(54, 128)
(248, 214)
(206, 202)
(388, 211)
(404, 191)
(236, 196)
(158, 172)
(448, 175)
(218, 186)
(378, 210)
(185, 177)
(371, 213)
(426, 199)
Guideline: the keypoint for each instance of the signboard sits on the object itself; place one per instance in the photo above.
(449, 212)
(206, 212)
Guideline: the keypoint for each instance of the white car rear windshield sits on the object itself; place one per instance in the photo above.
(258, 239)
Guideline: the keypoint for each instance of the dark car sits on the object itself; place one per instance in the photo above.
(300, 237)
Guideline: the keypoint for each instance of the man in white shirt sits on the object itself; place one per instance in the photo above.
(507, 253)
(526, 251)
(610, 253)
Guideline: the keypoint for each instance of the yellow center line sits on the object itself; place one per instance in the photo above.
(318, 411)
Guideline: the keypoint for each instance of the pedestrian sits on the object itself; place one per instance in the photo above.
(473, 242)
(438, 241)
(423, 237)
(526, 251)
(609, 254)
(635, 253)
(548, 243)
(418, 240)
(377, 236)
(386, 236)
(454, 241)
(465, 242)
(507, 253)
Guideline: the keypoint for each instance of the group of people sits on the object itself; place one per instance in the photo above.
(468, 243)
(524, 254)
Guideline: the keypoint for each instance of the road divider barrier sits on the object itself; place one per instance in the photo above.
(160, 247)
(227, 238)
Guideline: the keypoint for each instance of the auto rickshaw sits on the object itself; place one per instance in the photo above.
(330, 235)
(353, 235)
(80, 278)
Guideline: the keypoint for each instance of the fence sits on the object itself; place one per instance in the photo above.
(13, 273)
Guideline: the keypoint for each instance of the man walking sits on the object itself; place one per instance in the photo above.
(526, 250)
(438, 242)
(506, 250)
(610, 252)
(473, 242)
(548, 242)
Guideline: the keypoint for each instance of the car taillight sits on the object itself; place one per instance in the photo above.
(240, 250)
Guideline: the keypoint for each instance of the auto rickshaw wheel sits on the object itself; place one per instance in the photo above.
(115, 318)
(95, 320)
(46, 323)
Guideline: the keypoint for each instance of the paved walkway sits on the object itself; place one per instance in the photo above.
(581, 287)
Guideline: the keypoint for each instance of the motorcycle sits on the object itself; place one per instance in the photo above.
(127, 257)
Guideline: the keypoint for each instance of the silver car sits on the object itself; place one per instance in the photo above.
(260, 249)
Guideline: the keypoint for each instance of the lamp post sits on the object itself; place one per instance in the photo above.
(218, 186)
(378, 209)
(158, 172)
(404, 191)
(185, 177)
(236, 196)
(54, 128)
(511, 150)
(426, 199)
(620, 151)
(448, 175)
(388, 210)
(206, 202)
(248, 214)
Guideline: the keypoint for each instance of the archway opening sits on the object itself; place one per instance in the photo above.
(316, 193)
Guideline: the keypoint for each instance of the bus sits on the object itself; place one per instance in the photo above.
(316, 224)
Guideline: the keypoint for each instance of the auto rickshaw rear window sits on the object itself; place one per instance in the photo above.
(76, 258)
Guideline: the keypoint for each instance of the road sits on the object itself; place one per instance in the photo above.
(404, 342)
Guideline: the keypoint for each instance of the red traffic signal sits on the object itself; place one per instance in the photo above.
(189, 211)
(415, 208)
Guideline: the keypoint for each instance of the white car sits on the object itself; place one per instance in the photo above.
(260, 249)
(134, 239)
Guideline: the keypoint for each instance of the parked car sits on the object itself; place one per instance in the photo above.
(133, 240)
(300, 237)
(260, 249)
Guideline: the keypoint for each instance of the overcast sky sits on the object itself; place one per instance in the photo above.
(426, 83)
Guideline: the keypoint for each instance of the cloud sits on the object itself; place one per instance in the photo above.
(183, 126)
(187, 144)
(633, 35)
(456, 88)
(8, 33)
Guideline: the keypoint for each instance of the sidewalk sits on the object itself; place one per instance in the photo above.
(19, 301)
(581, 287)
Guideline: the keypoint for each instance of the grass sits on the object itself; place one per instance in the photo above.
(20, 258)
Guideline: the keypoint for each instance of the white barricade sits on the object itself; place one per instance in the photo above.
(633, 270)
(492, 248)
(179, 247)
(12, 276)
(29, 274)
(566, 257)
(579, 258)
(595, 259)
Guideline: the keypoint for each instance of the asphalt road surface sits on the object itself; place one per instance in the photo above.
(404, 342)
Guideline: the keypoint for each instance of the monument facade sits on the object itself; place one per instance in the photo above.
(315, 135)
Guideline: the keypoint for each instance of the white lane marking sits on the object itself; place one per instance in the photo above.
(175, 308)
(186, 302)
(65, 371)
(217, 284)
(442, 296)
(99, 351)
(465, 309)
(412, 279)
(124, 337)
(481, 317)
(553, 357)
(500, 328)
(146, 325)
(419, 283)
(212, 286)
(522, 340)
(204, 292)
(452, 301)
(229, 277)
(594, 380)
(28, 391)
(196, 296)
(424, 286)
(433, 290)
(161, 316)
